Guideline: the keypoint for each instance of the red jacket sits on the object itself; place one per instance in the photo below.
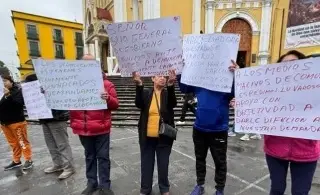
(95, 122)
(293, 149)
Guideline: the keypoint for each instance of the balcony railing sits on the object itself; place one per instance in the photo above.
(32, 35)
(34, 53)
(60, 56)
(79, 42)
(58, 39)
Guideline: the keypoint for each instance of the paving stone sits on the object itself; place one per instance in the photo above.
(247, 171)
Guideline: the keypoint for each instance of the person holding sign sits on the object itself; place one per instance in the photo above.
(300, 154)
(156, 109)
(14, 125)
(210, 130)
(93, 128)
(57, 140)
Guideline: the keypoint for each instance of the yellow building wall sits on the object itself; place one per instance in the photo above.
(45, 28)
(203, 16)
(129, 10)
(182, 8)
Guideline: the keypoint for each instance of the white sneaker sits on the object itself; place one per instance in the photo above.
(53, 169)
(66, 173)
(181, 123)
(232, 134)
(256, 137)
(245, 137)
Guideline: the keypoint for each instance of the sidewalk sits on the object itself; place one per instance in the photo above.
(247, 171)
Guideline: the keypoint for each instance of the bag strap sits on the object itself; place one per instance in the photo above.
(158, 107)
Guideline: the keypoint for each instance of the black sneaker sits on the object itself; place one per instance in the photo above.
(89, 190)
(27, 165)
(12, 166)
(105, 192)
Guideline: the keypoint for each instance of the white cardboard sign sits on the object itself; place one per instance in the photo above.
(279, 99)
(71, 84)
(207, 60)
(150, 47)
(35, 101)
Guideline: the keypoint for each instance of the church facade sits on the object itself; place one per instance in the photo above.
(263, 25)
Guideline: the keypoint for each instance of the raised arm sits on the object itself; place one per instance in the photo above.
(139, 99)
(172, 100)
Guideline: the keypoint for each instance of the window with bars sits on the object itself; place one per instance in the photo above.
(57, 35)
(32, 32)
(79, 53)
(59, 51)
(34, 49)
(79, 40)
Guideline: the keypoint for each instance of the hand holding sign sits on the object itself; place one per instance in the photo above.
(6, 91)
(172, 77)
(137, 78)
(105, 96)
(234, 66)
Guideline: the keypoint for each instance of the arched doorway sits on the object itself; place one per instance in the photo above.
(242, 27)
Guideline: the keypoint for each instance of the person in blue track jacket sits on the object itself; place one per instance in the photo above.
(210, 130)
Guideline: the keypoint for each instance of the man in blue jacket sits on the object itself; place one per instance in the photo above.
(210, 130)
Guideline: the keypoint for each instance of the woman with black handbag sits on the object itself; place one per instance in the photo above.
(156, 129)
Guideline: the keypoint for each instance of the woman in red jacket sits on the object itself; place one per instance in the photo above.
(93, 128)
(300, 154)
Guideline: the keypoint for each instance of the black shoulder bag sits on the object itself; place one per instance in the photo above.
(165, 129)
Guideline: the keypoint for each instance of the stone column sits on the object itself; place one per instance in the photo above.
(196, 17)
(97, 49)
(210, 14)
(135, 9)
(120, 11)
(151, 9)
(265, 32)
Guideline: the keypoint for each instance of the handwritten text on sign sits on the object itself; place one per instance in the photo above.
(35, 101)
(207, 59)
(150, 47)
(280, 99)
(71, 85)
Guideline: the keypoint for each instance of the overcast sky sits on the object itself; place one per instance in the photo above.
(61, 9)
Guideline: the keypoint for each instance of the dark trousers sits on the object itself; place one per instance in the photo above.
(186, 106)
(301, 175)
(149, 148)
(97, 159)
(218, 143)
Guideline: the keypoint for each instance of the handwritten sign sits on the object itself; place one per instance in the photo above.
(280, 99)
(207, 60)
(35, 101)
(150, 47)
(71, 84)
(1, 88)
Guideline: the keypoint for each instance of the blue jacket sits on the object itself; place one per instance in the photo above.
(212, 113)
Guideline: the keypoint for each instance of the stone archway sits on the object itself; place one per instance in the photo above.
(242, 27)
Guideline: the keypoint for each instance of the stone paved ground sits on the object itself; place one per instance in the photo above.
(247, 174)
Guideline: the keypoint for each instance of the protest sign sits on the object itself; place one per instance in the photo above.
(207, 59)
(280, 99)
(35, 101)
(1, 88)
(150, 47)
(71, 84)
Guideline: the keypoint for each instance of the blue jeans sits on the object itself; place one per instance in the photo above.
(301, 175)
(97, 159)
